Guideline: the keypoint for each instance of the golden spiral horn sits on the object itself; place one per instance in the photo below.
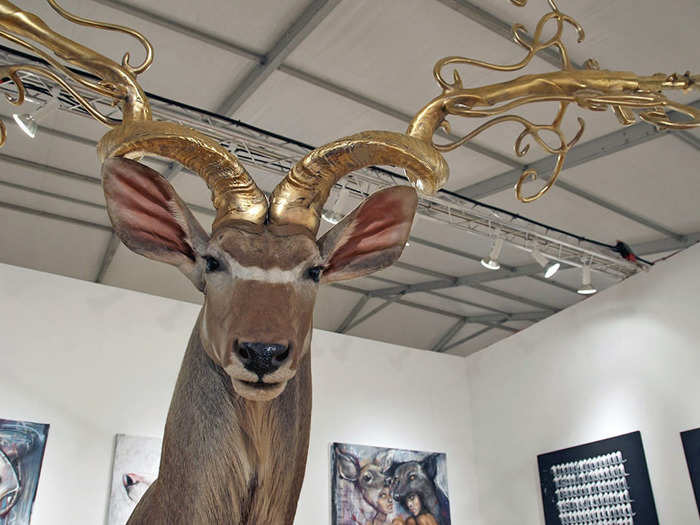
(234, 194)
(300, 197)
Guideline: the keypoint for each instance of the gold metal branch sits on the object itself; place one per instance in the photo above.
(628, 95)
(116, 81)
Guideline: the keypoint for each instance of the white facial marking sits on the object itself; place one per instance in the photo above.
(271, 275)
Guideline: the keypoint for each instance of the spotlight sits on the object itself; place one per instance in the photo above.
(586, 286)
(492, 261)
(549, 267)
(29, 122)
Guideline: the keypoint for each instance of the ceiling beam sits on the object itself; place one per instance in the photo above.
(371, 313)
(476, 334)
(343, 327)
(487, 320)
(237, 49)
(309, 19)
(465, 280)
(186, 30)
(54, 216)
(448, 335)
(666, 245)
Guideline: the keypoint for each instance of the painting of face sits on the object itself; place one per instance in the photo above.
(413, 504)
(22, 447)
(377, 486)
(135, 468)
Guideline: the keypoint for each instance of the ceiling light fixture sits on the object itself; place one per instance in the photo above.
(492, 261)
(29, 122)
(549, 267)
(586, 286)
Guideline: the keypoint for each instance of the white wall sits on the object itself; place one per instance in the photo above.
(94, 361)
(627, 359)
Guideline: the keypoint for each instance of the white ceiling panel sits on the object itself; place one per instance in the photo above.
(404, 325)
(446, 304)
(292, 107)
(589, 220)
(256, 24)
(624, 35)
(134, 272)
(50, 245)
(483, 340)
(387, 50)
(332, 306)
(656, 179)
(182, 69)
(544, 292)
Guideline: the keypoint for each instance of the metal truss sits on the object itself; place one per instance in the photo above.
(276, 154)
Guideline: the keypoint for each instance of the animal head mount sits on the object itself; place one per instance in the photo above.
(590, 88)
(261, 266)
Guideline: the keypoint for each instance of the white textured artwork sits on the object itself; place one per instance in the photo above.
(135, 467)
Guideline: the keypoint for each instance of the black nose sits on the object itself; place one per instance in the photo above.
(262, 358)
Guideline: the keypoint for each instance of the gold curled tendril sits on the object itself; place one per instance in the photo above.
(98, 87)
(629, 96)
(533, 47)
(112, 27)
(12, 73)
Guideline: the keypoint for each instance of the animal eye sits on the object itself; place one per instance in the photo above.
(212, 263)
(315, 273)
(412, 477)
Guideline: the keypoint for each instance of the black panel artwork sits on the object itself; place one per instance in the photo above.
(598, 483)
(691, 445)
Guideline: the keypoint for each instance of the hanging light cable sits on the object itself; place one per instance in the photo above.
(29, 122)
(549, 267)
(491, 262)
(586, 287)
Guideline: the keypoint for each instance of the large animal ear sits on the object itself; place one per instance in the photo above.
(370, 238)
(348, 466)
(429, 465)
(151, 219)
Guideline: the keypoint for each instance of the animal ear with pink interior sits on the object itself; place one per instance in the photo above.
(151, 219)
(371, 237)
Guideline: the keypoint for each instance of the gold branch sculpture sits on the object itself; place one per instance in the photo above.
(589, 88)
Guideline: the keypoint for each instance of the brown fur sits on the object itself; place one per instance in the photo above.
(223, 456)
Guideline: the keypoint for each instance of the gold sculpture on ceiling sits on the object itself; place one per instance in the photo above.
(627, 94)
(589, 88)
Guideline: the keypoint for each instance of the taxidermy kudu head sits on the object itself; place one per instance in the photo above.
(260, 268)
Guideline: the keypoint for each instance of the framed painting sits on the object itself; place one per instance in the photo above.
(22, 446)
(606, 481)
(374, 485)
(136, 461)
(691, 446)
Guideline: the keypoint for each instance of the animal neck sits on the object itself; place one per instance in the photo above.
(226, 459)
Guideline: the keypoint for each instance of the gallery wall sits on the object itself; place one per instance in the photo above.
(626, 359)
(94, 361)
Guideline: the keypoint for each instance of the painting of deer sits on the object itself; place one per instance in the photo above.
(381, 486)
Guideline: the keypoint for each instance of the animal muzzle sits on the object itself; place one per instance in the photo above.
(262, 358)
